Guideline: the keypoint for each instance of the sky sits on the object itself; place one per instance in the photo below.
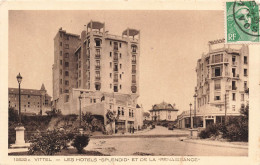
(171, 44)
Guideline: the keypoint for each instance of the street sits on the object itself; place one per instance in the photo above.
(164, 146)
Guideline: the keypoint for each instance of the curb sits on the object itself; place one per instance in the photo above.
(138, 136)
(217, 145)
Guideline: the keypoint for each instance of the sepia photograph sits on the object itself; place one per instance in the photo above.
(172, 84)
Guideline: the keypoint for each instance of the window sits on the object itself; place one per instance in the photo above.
(216, 71)
(60, 71)
(60, 81)
(217, 85)
(60, 35)
(66, 91)
(66, 55)
(66, 73)
(115, 88)
(97, 86)
(60, 53)
(98, 52)
(60, 90)
(217, 58)
(123, 112)
(66, 82)
(110, 64)
(120, 86)
(110, 54)
(98, 42)
(233, 107)
(67, 38)
(245, 84)
(242, 97)
(120, 55)
(60, 43)
(97, 74)
(29, 96)
(120, 66)
(234, 85)
(115, 67)
(115, 45)
(233, 96)
(118, 110)
(217, 98)
(67, 98)
(110, 43)
(60, 62)
(245, 59)
(66, 46)
(110, 75)
(120, 45)
(94, 100)
(79, 64)
(129, 112)
(233, 58)
(120, 76)
(66, 64)
(134, 48)
(133, 78)
(110, 85)
(245, 72)
(234, 72)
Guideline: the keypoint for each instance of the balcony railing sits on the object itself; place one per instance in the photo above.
(115, 80)
(133, 71)
(115, 69)
(97, 66)
(97, 78)
(234, 63)
(115, 58)
(97, 56)
(133, 81)
(134, 61)
(234, 88)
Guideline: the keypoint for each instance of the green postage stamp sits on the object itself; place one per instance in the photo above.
(242, 22)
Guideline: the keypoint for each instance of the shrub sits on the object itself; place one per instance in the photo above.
(80, 142)
(211, 130)
(47, 143)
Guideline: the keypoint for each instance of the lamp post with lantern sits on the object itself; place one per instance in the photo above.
(190, 117)
(195, 118)
(80, 128)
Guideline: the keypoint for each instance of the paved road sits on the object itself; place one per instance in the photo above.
(162, 146)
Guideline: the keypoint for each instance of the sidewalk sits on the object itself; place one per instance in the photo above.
(209, 142)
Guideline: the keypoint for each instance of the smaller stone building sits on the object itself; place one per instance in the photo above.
(163, 111)
(33, 101)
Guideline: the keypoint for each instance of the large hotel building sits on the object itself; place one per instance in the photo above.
(101, 68)
(222, 86)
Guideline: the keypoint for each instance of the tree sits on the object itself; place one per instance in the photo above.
(13, 115)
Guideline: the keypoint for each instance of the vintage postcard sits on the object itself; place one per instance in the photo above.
(130, 82)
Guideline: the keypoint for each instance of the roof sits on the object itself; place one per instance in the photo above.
(132, 32)
(163, 106)
(26, 92)
(95, 25)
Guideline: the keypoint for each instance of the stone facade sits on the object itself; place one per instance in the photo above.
(33, 102)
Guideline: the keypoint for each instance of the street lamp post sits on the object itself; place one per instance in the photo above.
(195, 118)
(19, 141)
(19, 80)
(80, 97)
(190, 116)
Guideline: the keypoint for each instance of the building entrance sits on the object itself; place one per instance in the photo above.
(209, 122)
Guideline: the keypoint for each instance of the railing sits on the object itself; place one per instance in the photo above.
(115, 58)
(115, 80)
(97, 66)
(134, 61)
(97, 56)
(234, 88)
(97, 78)
(115, 69)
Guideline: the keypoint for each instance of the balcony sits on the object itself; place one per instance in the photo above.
(116, 48)
(97, 66)
(97, 56)
(133, 71)
(115, 69)
(217, 62)
(115, 58)
(133, 81)
(115, 80)
(234, 63)
(234, 88)
(97, 78)
(133, 61)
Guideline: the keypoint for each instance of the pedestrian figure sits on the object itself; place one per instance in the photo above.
(133, 130)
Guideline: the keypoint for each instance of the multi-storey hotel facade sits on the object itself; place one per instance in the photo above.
(101, 68)
(222, 86)
(33, 101)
